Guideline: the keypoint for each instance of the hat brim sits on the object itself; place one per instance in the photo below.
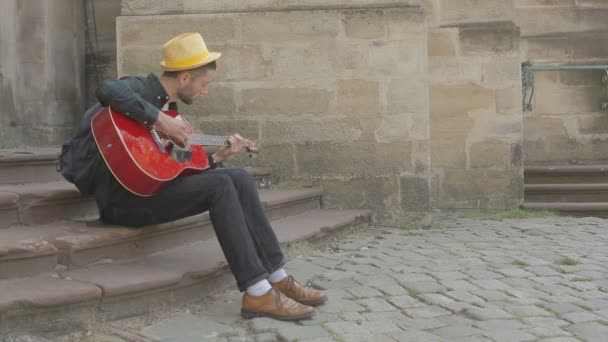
(210, 58)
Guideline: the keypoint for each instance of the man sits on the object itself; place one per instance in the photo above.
(230, 195)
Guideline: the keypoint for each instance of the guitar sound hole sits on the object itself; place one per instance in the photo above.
(180, 154)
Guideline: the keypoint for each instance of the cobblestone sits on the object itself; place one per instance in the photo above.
(469, 280)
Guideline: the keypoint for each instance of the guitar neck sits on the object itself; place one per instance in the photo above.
(208, 140)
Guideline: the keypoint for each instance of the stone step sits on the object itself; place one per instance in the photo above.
(569, 174)
(179, 275)
(30, 165)
(41, 203)
(579, 209)
(28, 250)
(592, 192)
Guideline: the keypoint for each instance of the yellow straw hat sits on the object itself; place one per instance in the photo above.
(186, 51)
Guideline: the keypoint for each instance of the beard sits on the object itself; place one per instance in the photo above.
(185, 98)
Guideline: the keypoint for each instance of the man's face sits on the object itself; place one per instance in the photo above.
(195, 86)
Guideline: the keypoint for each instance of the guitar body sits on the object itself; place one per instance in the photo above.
(133, 156)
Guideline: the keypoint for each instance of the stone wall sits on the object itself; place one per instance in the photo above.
(100, 43)
(567, 124)
(41, 71)
(336, 93)
(475, 104)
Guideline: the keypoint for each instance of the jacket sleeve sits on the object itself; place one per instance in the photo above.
(125, 96)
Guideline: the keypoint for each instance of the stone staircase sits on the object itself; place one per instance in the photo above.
(59, 266)
(574, 190)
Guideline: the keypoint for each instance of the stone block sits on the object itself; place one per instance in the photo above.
(476, 184)
(443, 43)
(592, 3)
(580, 77)
(31, 37)
(548, 48)
(137, 7)
(575, 99)
(241, 63)
(596, 124)
(289, 27)
(464, 99)
(415, 194)
(407, 96)
(456, 128)
(405, 20)
(354, 158)
(279, 157)
(542, 21)
(154, 31)
(456, 11)
(348, 56)
(398, 58)
(590, 46)
(379, 194)
(456, 70)
(489, 39)
(402, 127)
(540, 127)
(508, 100)
(364, 24)
(288, 101)
(298, 131)
(308, 61)
(139, 61)
(490, 154)
(498, 72)
(448, 154)
(220, 101)
(544, 3)
(358, 97)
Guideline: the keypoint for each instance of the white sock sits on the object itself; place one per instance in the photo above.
(277, 275)
(260, 288)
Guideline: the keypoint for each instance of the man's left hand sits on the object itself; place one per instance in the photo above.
(236, 141)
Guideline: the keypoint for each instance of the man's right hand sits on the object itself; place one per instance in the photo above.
(177, 130)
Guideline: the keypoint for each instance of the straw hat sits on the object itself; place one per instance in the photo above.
(186, 51)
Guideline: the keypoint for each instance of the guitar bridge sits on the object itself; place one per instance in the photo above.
(157, 140)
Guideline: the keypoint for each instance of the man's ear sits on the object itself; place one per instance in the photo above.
(184, 78)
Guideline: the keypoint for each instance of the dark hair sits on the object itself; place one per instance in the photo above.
(196, 72)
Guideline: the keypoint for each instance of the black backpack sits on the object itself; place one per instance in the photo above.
(80, 157)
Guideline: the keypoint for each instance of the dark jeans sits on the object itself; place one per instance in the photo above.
(240, 223)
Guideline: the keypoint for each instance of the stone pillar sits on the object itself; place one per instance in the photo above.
(42, 71)
(475, 104)
(336, 92)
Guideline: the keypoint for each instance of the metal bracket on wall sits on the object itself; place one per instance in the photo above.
(527, 80)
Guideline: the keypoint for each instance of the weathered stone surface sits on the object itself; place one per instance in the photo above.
(463, 11)
(299, 131)
(448, 154)
(157, 30)
(415, 194)
(289, 26)
(443, 43)
(490, 153)
(355, 158)
(467, 98)
(407, 96)
(489, 39)
(284, 101)
(220, 101)
(358, 97)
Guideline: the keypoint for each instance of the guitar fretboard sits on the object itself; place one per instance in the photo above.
(208, 140)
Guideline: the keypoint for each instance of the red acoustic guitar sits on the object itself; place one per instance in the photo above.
(141, 160)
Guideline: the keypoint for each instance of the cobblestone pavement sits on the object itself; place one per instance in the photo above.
(541, 279)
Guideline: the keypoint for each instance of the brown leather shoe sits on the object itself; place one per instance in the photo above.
(274, 305)
(294, 290)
